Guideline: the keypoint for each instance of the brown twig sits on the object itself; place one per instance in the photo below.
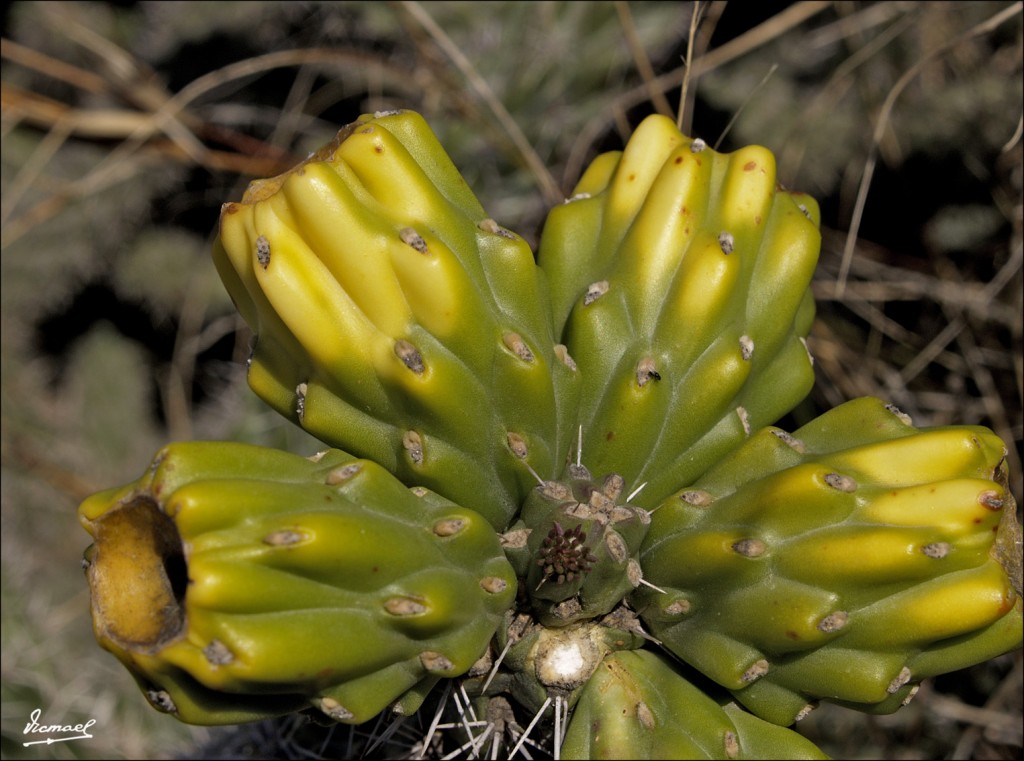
(548, 187)
(882, 124)
(640, 58)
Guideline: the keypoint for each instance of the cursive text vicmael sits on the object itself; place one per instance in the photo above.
(34, 727)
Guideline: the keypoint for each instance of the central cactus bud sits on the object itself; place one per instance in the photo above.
(576, 547)
(564, 555)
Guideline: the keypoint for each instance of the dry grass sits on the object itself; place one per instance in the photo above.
(124, 128)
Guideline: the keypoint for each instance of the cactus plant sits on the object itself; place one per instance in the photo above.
(246, 552)
(554, 482)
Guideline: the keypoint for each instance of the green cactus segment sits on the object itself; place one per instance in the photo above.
(824, 564)
(395, 320)
(581, 549)
(237, 582)
(637, 705)
(680, 285)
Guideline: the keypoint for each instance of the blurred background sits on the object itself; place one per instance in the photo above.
(126, 125)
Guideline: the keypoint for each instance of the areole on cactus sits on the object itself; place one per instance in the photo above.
(552, 481)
